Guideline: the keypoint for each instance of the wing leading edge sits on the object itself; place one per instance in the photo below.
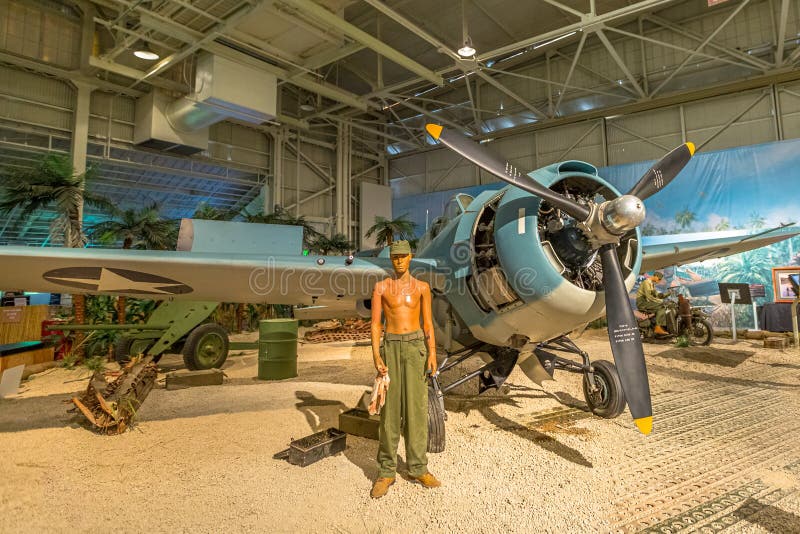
(665, 251)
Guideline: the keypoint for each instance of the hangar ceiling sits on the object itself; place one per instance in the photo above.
(384, 68)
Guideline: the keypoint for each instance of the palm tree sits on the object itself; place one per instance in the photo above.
(338, 244)
(386, 230)
(685, 218)
(753, 267)
(207, 212)
(722, 225)
(757, 221)
(53, 184)
(142, 229)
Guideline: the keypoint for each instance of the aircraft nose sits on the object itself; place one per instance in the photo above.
(622, 214)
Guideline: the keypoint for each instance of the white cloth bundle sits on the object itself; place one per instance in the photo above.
(379, 390)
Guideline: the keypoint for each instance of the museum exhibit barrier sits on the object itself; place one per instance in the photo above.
(277, 349)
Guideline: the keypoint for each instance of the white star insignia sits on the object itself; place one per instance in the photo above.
(111, 281)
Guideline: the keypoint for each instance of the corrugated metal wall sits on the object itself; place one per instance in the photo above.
(740, 119)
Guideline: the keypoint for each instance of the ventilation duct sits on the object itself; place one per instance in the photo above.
(224, 90)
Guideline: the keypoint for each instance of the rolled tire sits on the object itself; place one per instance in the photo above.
(609, 401)
(206, 347)
(435, 423)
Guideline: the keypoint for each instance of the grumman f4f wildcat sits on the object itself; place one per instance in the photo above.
(512, 271)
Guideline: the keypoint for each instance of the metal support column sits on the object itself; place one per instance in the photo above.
(80, 133)
(278, 138)
(343, 164)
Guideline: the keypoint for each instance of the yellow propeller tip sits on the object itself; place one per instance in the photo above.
(691, 148)
(644, 424)
(434, 130)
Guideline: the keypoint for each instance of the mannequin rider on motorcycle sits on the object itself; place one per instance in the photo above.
(648, 300)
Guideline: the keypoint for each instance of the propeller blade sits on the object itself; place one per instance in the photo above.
(662, 173)
(504, 170)
(626, 345)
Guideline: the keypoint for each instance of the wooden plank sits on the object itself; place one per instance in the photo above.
(28, 328)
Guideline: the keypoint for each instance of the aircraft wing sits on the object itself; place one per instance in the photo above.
(668, 250)
(228, 277)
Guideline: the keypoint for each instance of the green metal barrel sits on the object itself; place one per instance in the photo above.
(277, 349)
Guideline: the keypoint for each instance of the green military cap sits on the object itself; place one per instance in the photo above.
(658, 274)
(400, 247)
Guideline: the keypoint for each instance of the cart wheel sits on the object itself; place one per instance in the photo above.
(206, 347)
(609, 400)
(435, 423)
(126, 347)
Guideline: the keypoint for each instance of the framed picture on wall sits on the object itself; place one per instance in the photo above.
(782, 283)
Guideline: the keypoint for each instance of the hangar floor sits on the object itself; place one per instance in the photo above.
(724, 454)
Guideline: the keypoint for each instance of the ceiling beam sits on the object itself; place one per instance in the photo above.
(217, 30)
(168, 26)
(359, 35)
(701, 46)
(618, 60)
(587, 21)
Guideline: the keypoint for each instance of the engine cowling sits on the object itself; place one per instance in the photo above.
(533, 274)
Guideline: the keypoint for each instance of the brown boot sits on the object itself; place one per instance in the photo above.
(427, 480)
(381, 487)
(659, 331)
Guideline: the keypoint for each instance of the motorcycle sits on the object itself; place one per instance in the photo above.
(683, 319)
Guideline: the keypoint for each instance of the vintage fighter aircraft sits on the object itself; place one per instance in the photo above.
(513, 272)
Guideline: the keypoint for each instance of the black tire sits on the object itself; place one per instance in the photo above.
(701, 332)
(609, 401)
(435, 423)
(206, 347)
(125, 346)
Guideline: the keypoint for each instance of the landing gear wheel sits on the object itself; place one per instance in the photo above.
(435, 423)
(126, 347)
(206, 347)
(609, 400)
(701, 332)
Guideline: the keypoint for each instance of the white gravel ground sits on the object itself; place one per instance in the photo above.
(533, 460)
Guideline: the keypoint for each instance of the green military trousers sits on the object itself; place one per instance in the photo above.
(406, 407)
(652, 307)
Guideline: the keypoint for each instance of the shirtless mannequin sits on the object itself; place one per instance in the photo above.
(407, 354)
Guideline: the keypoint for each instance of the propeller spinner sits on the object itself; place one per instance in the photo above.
(603, 225)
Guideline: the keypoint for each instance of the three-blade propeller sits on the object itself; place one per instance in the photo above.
(623, 330)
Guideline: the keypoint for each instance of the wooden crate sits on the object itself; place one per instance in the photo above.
(23, 323)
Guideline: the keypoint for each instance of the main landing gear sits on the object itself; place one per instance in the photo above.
(602, 388)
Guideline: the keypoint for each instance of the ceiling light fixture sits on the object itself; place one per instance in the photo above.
(467, 50)
(144, 52)
(308, 104)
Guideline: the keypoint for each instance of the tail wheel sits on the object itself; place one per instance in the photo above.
(700, 333)
(608, 401)
(126, 347)
(206, 347)
(435, 423)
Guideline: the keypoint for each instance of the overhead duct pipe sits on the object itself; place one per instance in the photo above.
(224, 90)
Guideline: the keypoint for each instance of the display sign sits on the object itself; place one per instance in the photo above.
(11, 315)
